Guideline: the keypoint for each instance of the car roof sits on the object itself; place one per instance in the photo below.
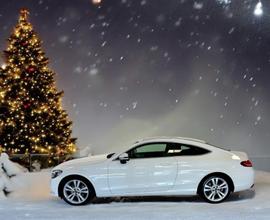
(182, 140)
(165, 138)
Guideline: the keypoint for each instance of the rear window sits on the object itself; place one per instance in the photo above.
(185, 150)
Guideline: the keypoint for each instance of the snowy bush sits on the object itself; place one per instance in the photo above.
(84, 152)
(8, 170)
(36, 166)
(2, 184)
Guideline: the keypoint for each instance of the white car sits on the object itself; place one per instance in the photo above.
(155, 167)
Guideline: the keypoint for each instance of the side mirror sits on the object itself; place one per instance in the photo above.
(123, 158)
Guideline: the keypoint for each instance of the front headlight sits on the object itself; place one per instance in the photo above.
(56, 173)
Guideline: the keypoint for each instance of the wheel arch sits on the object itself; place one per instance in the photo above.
(219, 174)
(71, 176)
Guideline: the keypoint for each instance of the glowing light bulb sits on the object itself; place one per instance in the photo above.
(3, 66)
(96, 2)
(258, 11)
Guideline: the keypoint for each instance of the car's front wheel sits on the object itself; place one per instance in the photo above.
(77, 191)
(215, 189)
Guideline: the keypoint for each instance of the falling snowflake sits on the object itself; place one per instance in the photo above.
(178, 22)
(225, 2)
(63, 39)
(231, 30)
(160, 18)
(78, 69)
(154, 48)
(198, 5)
(103, 44)
(134, 105)
(143, 2)
(103, 104)
(93, 71)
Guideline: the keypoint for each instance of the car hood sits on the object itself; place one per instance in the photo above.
(83, 161)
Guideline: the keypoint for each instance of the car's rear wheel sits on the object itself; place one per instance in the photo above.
(77, 191)
(215, 189)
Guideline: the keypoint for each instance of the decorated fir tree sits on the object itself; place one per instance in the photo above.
(31, 116)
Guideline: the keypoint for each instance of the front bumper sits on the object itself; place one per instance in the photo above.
(54, 186)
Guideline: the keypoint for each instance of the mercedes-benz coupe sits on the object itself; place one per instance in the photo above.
(155, 167)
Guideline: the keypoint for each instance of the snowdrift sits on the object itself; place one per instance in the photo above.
(8, 171)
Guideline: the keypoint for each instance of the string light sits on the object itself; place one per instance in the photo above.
(3, 66)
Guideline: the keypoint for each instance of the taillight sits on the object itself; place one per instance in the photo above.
(246, 163)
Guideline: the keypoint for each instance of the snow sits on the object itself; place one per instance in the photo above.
(2, 186)
(84, 152)
(32, 200)
(8, 171)
(11, 168)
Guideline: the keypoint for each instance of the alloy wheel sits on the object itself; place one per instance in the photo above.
(215, 189)
(76, 191)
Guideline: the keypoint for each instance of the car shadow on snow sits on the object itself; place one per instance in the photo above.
(240, 196)
(244, 195)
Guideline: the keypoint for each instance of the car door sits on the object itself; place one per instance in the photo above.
(149, 170)
(193, 163)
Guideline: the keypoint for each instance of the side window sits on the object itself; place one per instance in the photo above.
(152, 150)
(148, 151)
(174, 149)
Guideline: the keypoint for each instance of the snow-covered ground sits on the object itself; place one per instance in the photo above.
(32, 200)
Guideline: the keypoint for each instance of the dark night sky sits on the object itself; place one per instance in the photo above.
(132, 69)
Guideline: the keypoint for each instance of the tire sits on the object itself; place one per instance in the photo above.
(215, 189)
(76, 191)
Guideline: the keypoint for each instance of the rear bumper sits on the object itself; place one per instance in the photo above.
(244, 180)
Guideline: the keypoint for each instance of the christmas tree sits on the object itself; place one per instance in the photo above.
(32, 120)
